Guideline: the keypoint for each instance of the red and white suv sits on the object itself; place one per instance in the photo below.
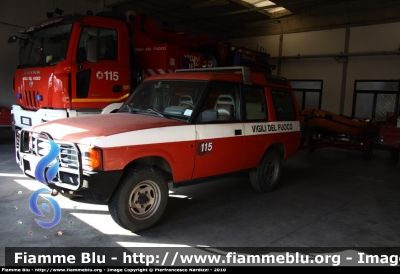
(181, 127)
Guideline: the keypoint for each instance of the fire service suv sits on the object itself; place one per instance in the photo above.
(179, 128)
(75, 65)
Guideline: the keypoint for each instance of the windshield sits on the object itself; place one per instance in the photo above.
(46, 47)
(165, 98)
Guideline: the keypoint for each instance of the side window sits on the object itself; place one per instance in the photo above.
(223, 97)
(283, 105)
(107, 41)
(255, 104)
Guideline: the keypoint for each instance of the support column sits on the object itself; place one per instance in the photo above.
(344, 73)
(278, 70)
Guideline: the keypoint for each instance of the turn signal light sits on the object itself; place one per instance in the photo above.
(94, 158)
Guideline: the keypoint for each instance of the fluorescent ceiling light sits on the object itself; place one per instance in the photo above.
(266, 4)
(210, 3)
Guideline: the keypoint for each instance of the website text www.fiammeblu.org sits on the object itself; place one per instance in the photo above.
(229, 259)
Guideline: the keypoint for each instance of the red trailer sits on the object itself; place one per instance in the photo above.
(321, 129)
(390, 135)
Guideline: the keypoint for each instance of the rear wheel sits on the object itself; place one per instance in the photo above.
(141, 199)
(266, 177)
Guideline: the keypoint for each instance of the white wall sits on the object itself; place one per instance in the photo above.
(362, 40)
(18, 14)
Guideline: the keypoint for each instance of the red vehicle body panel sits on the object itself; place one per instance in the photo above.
(137, 136)
(5, 117)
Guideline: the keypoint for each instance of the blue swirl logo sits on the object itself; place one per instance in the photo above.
(45, 161)
(35, 209)
(45, 175)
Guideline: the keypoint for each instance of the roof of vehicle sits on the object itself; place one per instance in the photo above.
(229, 74)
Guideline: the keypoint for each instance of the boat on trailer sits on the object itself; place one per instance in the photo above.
(328, 123)
(323, 129)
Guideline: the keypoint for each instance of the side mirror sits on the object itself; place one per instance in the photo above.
(93, 32)
(208, 116)
(12, 39)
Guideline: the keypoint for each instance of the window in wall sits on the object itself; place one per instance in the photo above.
(308, 93)
(373, 99)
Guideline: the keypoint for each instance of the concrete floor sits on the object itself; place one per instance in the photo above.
(329, 198)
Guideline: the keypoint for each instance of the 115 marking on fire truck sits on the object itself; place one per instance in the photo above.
(109, 75)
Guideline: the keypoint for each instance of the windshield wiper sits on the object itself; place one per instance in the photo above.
(156, 112)
(130, 108)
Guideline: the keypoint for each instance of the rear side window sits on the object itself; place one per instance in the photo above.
(255, 104)
(224, 98)
(283, 105)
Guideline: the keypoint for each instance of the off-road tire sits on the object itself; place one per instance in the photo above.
(266, 177)
(140, 200)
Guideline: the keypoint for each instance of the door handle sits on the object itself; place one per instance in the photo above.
(238, 132)
(117, 88)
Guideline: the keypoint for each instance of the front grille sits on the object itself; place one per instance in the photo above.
(31, 149)
(17, 145)
(29, 98)
(68, 155)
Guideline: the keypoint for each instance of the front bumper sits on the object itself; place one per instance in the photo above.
(28, 118)
(99, 186)
(59, 166)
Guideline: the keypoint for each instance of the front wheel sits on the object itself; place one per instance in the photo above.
(266, 177)
(141, 199)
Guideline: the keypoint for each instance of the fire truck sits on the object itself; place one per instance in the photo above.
(74, 65)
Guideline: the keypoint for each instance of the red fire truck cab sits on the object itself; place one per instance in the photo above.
(76, 65)
(180, 128)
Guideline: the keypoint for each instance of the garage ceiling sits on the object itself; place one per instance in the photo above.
(227, 19)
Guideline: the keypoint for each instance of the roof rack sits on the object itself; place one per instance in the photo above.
(245, 71)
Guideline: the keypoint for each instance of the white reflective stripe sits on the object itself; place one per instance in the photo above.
(193, 132)
(161, 71)
(215, 131)
(149, 136)
(151, 72)
(270, 127)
